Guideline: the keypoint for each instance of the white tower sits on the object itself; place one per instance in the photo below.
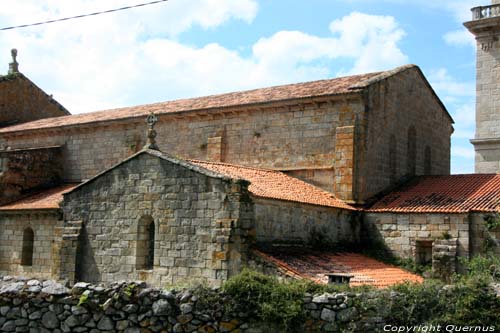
(485, 25)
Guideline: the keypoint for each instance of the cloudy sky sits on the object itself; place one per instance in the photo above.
(187, 48)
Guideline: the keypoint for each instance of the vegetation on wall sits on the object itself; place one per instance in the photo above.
(468, 301)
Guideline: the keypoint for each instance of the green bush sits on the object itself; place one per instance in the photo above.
(266, 299)
(469, 301)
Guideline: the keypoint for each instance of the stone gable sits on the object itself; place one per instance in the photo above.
(201, 223)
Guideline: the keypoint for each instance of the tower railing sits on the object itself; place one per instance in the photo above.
(485, 12)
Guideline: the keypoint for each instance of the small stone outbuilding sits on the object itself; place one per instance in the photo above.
(433, 217)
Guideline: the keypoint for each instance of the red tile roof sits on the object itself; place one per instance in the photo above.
(48, 199)
(275, 185)
(444, 194)
(315, 265)
(337, 86)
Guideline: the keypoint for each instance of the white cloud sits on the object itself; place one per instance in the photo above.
(449, 87)
(117, 60)
(464, 152)
(460, 37)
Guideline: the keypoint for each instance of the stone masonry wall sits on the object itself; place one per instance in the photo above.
(481, 238)
(294, 223)
(22, 101)
(24, 170)
(202, 223)
(394, 105)
(297, 135)
(46, 229)
(46, 306)
(400, 232)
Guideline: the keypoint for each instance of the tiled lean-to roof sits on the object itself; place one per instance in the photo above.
(444, 194)
(330, 87)
(275, 185)
(47, 199)
(315, 265)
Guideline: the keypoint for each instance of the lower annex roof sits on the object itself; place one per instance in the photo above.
(444, 194)
(47, 199)
(315, 265)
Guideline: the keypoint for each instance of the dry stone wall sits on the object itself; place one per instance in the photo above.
(29, 305)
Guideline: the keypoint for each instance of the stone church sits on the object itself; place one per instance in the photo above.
(199, 188)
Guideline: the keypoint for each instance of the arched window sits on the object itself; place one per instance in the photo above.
(145, 250)
(411, 151)
(27, 253)
(392, 158)
(427, 161)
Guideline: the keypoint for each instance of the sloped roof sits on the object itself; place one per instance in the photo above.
(276, 185)
(48, 199)
(444, 194)
(315, 265)
(336, 86)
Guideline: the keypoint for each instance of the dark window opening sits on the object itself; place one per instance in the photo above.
(27, 253)
(423, 253)
(145, 243)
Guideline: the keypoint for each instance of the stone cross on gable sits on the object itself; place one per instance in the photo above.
(13, 66)
(151, 120)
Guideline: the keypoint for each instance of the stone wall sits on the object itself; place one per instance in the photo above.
(394, 106)
(21, 101)
(27, 169)
(201, 222)
(401, 232)
(46, 306)
(45, 255)
(297, 135)
(293, 223)
(482, 239)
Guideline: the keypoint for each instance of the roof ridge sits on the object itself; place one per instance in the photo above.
(284, 93)
(236, 165)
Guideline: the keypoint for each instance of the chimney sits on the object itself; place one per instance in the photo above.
(13, 66)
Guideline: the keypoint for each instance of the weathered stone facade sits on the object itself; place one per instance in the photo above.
(21, 101)
(24, 170)
(144, 215)
(44, 250)
(202, 223)
(292, 223)
(339, 143)
(404, 234)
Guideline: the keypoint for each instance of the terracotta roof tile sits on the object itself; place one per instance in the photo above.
(276, 185)
(444, 194)
(48, 199)
(335, 86)
(315, 265)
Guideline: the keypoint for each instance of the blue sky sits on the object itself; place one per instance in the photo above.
(190, 48)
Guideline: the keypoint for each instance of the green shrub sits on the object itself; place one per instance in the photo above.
(267, 299)
(416, 303)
